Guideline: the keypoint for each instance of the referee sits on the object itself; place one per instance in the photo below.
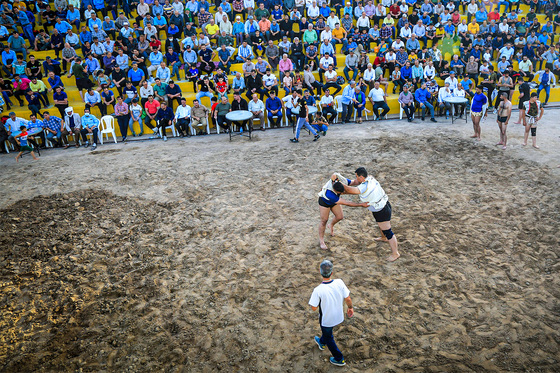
(328, 298)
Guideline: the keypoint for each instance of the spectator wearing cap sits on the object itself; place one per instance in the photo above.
(125, 31)
(328, 298)
(98, 33)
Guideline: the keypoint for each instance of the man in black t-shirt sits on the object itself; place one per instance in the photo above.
(173, 93)
(254, 85)
(524, 96)
(206, 56)
(119, 78)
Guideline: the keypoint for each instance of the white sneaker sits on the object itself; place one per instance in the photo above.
(94, 146)
(164, 138)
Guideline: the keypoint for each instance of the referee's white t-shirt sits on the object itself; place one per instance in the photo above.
(329, 297)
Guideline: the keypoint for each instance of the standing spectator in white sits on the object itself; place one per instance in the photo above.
(328, 298)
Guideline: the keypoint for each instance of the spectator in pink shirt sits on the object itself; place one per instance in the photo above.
(285, 64)
(21, 85)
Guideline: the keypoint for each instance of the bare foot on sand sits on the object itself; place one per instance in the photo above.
(499, 143)
(331, 229)
(323, 246)
(393, 257)
(473, 137)
(517, 123)
(504, 147)
(536, 146)
(524, 144)
(382, 239)
(478, 139)
(17, 158)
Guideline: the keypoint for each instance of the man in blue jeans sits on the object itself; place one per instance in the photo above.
(546, 78)
(423, 97)
(328, 298)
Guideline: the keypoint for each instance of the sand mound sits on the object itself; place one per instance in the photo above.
(219, 279)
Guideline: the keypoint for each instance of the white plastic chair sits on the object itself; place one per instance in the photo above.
(193, 131)
(106, 127)
(257, 119)
(8, 145)
(364, 112)
(339, 109)
(172, 127)
(401, 112)
(279, 115)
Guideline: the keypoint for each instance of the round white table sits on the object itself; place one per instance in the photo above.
(30, 132)
(239, 116)
(312, 110)
(457, 101)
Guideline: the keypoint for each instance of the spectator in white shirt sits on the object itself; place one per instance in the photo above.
(256, 107)
(327, 106)
(452, 80)
(326, 34)
(429, 71)
(182, 118)
(378, 99)
(369, 76)
(445, 92)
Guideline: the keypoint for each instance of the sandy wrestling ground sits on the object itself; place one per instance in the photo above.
(199, 255)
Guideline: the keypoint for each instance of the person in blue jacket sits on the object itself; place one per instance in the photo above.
(274, 109)
(423, 97)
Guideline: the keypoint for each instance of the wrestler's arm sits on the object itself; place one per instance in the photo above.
(351, 189)
(354, 183)
(351, 204)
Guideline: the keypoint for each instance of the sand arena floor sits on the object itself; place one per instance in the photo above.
(199, 255)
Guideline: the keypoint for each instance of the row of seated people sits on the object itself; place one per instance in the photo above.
(186, 119)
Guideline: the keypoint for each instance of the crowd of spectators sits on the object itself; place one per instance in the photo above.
(131, 59)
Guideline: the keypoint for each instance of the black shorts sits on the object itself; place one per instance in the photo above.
(83, 83)
(502, 119)
(322, 203)
(384, 214)
(521, 105)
